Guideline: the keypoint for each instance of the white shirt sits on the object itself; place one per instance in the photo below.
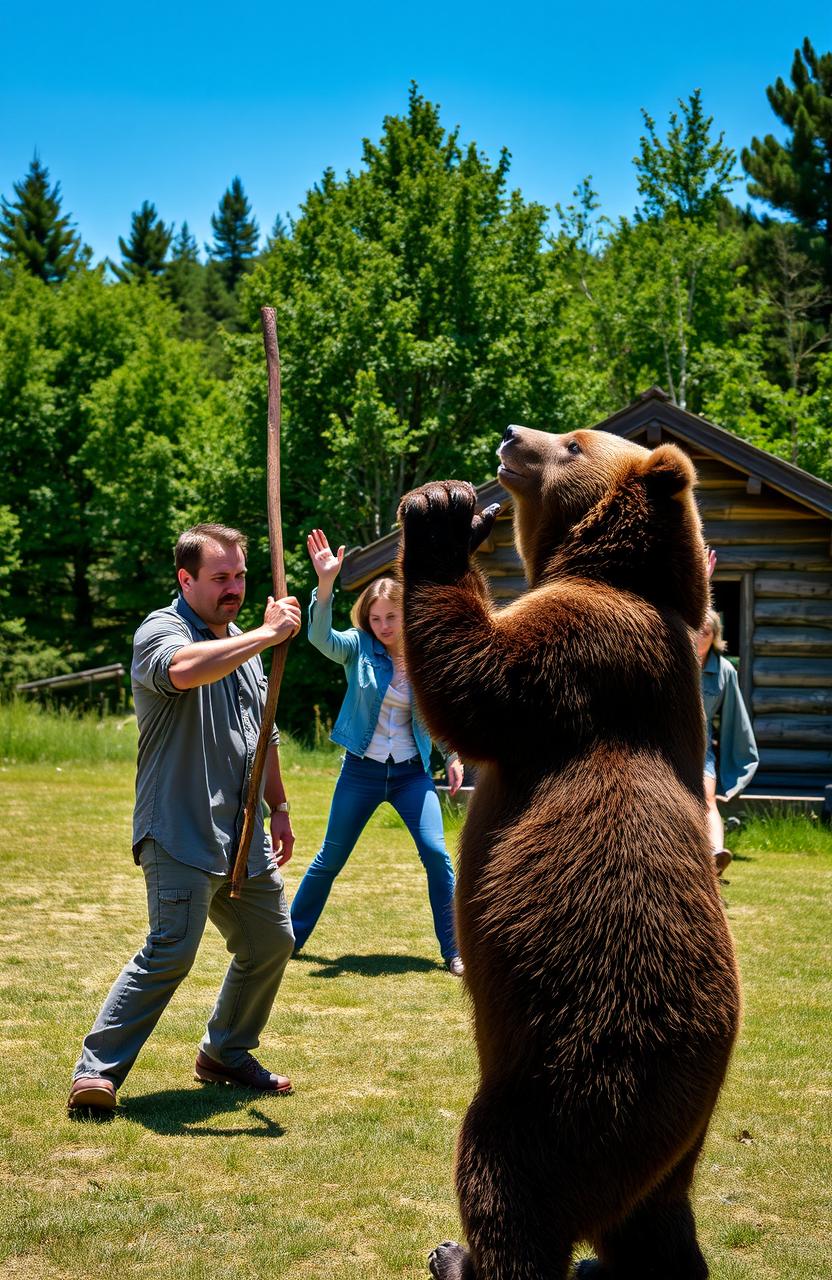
(394, 728)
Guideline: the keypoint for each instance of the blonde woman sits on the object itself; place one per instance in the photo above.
(387, 749)
(738, 756)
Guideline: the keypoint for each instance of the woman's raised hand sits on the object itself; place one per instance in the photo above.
(326, 565)
(710, 561)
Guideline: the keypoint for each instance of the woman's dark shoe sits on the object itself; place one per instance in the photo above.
(722, 860)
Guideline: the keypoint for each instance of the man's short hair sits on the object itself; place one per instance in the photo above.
(187, 554)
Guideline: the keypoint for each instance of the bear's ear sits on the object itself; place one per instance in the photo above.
(668, 471)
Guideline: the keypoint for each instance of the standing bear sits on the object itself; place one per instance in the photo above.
(597, 955)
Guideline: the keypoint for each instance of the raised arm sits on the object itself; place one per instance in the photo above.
(209, 660)
(337, 645)
(455, 649)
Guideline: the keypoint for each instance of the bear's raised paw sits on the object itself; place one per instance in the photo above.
(440, 529)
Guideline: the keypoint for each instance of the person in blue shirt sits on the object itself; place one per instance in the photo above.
(387, 749)
(738, 756)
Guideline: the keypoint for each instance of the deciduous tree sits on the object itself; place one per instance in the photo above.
(411, 301)
(655, 289)
(102, 411)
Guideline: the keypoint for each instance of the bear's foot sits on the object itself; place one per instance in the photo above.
(450, 1261)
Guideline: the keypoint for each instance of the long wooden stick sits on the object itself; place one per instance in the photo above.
(252, 811)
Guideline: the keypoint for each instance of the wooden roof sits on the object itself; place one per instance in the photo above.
(651, 413)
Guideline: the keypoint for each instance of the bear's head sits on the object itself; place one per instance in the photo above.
(590, 504)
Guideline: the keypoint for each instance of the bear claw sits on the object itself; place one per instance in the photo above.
(447, 1261)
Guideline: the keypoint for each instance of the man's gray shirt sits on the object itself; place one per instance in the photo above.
(196, 748)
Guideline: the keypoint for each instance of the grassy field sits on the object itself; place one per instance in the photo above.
(351, 1177)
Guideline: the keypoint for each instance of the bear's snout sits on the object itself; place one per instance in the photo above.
(514, 454)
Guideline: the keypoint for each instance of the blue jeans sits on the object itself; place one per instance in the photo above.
(361, 787)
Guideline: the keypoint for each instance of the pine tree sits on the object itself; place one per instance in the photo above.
(184, 246)
(184, 283)
(796, 176)
(278, 232)
(35, 232)
(235, 234)
(143, 255)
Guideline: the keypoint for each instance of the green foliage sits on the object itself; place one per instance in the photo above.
(413, 314)
(411, 309)
(183, 282)
(647, 296)
(422, 305)
(112, 406)
(689, 175)
(796, 176)
(143, 255)
(9, 551)
(235, 234)
(18, 660)
(770, 384)
(34, 231)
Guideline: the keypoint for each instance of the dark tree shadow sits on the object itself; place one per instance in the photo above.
(372, 966)
(184, 1111)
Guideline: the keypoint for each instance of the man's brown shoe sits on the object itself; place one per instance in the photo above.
(92, 1091)
(251, 1075)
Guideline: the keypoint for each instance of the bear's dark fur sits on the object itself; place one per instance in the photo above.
(596, 950)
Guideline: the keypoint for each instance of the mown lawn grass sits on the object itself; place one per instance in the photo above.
(351, 1177)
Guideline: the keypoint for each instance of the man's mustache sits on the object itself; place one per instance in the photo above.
(229, 599)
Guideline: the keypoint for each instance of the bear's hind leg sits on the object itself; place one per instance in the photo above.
(503, 1181)
(658, 1239)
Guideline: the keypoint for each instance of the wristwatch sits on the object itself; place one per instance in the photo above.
(283, 807)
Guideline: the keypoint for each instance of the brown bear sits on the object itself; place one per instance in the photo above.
(597, 954)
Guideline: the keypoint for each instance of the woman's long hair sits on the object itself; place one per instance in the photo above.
(713, 620)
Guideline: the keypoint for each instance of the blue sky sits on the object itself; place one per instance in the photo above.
(169, 104)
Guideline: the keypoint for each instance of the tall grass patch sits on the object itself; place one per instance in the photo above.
(780, 830)
(33, 733)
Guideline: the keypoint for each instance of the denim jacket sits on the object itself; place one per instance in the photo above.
(738, 755)
(369, 670)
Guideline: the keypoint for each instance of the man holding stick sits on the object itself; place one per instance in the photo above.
(199, 691)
